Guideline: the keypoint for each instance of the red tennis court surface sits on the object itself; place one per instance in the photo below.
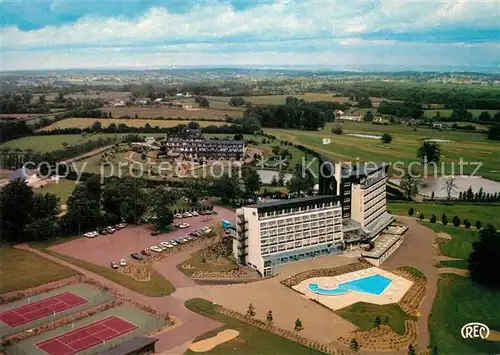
(86, 337)
(42, 308)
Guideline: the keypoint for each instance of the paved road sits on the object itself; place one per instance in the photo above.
(417, 251)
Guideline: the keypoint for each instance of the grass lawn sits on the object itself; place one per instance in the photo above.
(62, 189)
(87, 122)
(460, 301)
(459, 264)
(252, 340)
(460, 245)
(158, 286)
(198, 265)
(485, 212)
(363, 315)
(22, 269)
(470, 147)
(44, 144)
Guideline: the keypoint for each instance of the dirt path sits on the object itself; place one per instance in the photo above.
(417, 251)
(193, 325)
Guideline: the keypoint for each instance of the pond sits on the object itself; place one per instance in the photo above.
(266, 176)
(370, 136)
(431, 184)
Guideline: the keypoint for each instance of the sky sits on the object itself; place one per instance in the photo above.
(340, 35)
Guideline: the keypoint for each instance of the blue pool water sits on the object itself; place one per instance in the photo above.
(374, 284)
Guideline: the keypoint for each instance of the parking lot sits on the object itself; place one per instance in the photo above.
(104, 249)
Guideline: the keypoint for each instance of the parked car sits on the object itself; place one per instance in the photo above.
(91, 234)
(114, 265)
(146, 252)
(155, 232)
(156, 249)
(136, 256)
(183, 225)
(173, 242)
(123, 262)
(103, 231)
(209, 212)
(187, 214)
(202, 213)
(178, 215)
(162, 247)
(194, 213)
(110, 230)
(194, 233)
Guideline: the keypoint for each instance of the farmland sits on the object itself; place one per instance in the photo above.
(43, 144)
(167, 112)
(87, 95)
(279, 99)
(87, 122)
(406, 141)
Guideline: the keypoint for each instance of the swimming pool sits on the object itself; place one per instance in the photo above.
(374, 284)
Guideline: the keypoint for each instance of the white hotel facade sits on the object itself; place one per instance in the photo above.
(351, 207)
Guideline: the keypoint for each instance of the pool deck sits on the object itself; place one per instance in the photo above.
(392, 294)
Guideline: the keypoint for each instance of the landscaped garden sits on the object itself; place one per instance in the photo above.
(251, 340)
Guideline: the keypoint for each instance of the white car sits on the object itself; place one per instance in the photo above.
(195, 214)
(156, 249)
(183, 225)
(187, 214)
(178, 215)
(173, 242)
(162, 247)
(123, 262)
(91, 234)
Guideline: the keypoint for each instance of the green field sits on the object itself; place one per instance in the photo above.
(62, 189)
(363, 315)
(49, 143)
(252, 340)
(484, 212)
(157, 286)
(460, 301)
(274, 99)
(403, 149)
(21, 269)
(145, 322)
(460, 245)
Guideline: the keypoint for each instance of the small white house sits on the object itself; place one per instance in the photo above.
(27, 175)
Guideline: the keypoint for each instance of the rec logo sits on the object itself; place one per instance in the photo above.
(475, 330)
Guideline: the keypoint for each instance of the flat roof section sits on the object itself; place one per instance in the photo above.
(382, 243)
(293, 202)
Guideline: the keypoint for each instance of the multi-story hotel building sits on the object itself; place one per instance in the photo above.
(274, 233)
(350, 207)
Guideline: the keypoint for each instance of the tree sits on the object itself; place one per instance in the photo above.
(449, 185)
(82, 211)
(377, 321)
(456, 221)
(494, 132)
(432, 195)
(162, 201)
(433, 218)
(411, 350)
(298, 325)
(467, 224)
(469, 194)
(281, 178)
(94, 189)
(354, 346)
(409, 184)
(96, 126)
(484, 116)
(337, 129)
(16, 203)
(274, 181)
(193, 125)
(269, 317)
(444, 219)
(194, 190)
(483, 261)
(251, 180)
(202, 101)
(434, 350)
(386, 138)
(238, 137)
(429, 152)
(411, 211)
(251, 310)
(421, 217)
(478, 224)
(227, 187)
(125, 198)
(368, 117)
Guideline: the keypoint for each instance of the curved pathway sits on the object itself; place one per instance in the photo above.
(453, 270)
(417, 251)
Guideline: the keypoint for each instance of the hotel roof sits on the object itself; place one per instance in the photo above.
(293, 202)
